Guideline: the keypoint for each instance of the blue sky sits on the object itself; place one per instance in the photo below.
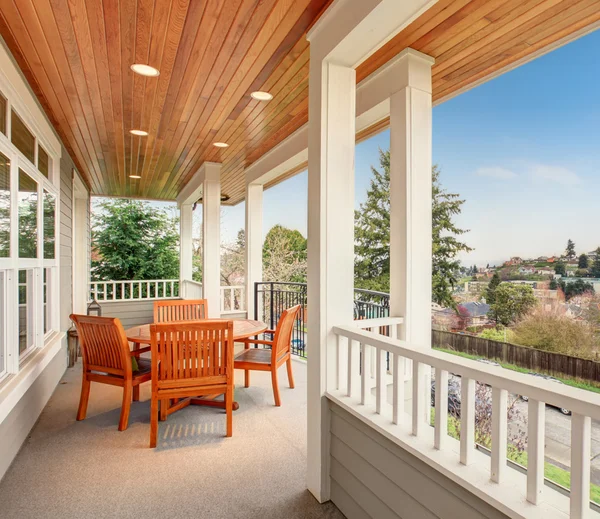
(523, 150)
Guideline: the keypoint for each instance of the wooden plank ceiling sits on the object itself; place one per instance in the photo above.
(211, 55)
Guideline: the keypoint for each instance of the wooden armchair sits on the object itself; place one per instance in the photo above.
(107, 359)
(190, 360)
(180, 310)
(270, 360)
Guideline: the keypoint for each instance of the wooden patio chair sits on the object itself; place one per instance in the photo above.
(262, 359)
(180, 310)
(190, 360)
(107, 359)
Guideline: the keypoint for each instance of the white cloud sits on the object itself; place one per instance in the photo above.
(556, 174)
(497, 173)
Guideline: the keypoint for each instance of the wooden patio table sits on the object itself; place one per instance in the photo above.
(242, 329)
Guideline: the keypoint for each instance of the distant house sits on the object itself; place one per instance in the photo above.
(545, 271)
(552, 259)
(515, 261)
(526, 269)
(475, 312)
(542, 258)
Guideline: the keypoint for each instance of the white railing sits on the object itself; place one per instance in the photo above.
(136, 290)
(233, 299)
(360, 381)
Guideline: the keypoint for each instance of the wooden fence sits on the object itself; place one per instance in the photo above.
(554, 364)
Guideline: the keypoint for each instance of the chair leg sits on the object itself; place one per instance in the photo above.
(136, 393)
(127, 393)
(290, 374)
(275, 386)
(229, 410)
(164, 405)
(246, 378)
(83, 400)
(153, 421)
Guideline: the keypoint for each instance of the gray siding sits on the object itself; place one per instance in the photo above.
(66, 239)
(371, 477)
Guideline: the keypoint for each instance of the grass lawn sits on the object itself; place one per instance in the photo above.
(568, 382)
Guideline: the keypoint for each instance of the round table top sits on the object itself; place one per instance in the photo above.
(242, 329)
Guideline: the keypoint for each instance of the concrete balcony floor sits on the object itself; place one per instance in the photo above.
(70, 469)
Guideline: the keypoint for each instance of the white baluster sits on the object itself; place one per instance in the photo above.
(536, 424)
(398, 388)
(131, 290)
(380, 372)
(581, 438)
(499, 433)
(441, 408)
(222, 299)
(365, 374)
(114, 294)
(418, 400)
(467, 420)
(353, 367)
(172, 289)
(147, 289)
(342, 362)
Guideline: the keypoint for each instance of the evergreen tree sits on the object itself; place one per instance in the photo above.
(553, 284)
(372, 236)
(560, 268)
(133, 240)
(570, 250)
(584, 261)
(595, 270)
(490, 293)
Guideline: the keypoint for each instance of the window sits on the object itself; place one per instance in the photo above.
(28, 205)
(43, 162)
(21, 137)
(49, 225)
(26, 321)
(4, 206)
(2, 325)
(2, 114)
(47, 317)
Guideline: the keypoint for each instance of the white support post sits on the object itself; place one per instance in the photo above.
(330, 244)
(410, 202)
(211, 238)
(254, 243)
(185, 242)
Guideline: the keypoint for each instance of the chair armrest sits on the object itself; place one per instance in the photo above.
(137, 353)
(269, 331)
(256, 341)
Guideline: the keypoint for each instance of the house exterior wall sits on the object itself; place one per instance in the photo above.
(371, 477)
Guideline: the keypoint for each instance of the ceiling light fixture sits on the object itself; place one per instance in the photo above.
(220, 144)
(261, 96)
(145, 70)
(140, 133)
(135, 176)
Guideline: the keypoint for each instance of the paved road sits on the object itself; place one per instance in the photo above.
(558, 438)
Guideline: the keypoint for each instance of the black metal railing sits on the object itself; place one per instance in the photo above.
(272, 298)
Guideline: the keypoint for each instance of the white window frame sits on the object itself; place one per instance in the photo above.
(10, 267)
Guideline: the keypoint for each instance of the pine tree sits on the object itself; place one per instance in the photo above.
(584, 261)
(372, 236)
(595, 270)
(570, 250)
(490, 293)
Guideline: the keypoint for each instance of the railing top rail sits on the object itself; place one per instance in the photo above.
(376, 322)
(371, 292)
(293, 283)
(133, 281)
(579, 401)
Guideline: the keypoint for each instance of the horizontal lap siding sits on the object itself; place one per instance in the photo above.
(66, 239)
(373, 477)
(131, 313)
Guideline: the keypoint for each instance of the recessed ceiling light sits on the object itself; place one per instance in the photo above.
(144, 70)
(261, 96)
(220, 144)
(141, 133)
(135, 176)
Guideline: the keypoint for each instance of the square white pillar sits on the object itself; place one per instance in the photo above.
(254, 243)
(332, 95)
(211, 238)
(410, 204)
(185, 242)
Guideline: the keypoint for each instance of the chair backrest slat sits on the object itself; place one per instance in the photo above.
(283, 333)
(193, 350)
(103, 343)
(180, 310)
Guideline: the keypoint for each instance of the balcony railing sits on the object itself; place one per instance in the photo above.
(360, 384)
(232, 297)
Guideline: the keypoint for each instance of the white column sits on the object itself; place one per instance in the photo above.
(185, 242)
(254, 242)
(211, 238)
(410, 197)
(332, 94)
